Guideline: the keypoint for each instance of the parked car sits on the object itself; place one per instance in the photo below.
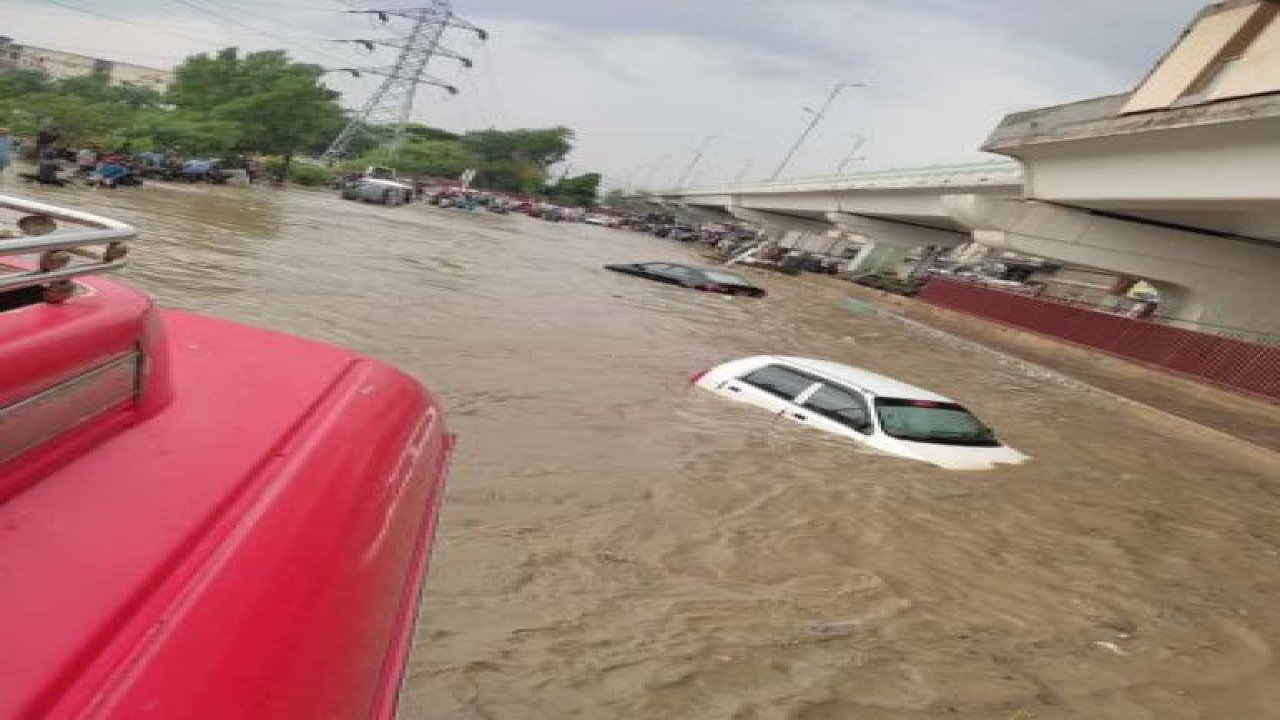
(873, 410)
(891, 283)
(595, 219)
(696, 278)
(671, 230)
(384, 192)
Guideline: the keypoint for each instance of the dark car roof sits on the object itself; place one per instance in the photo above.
(699, 268)
(719, 271)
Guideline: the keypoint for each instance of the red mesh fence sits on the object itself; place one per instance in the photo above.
(1248, 367)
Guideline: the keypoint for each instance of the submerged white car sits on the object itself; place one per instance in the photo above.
(375, 190)
(877, 411)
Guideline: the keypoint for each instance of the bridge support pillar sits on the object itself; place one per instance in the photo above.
(902, 235)
(705, 214)
(1203, 279)
(776, 222)
(890, 241)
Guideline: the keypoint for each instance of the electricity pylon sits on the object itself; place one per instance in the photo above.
(393, 102)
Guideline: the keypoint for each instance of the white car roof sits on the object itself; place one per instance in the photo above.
(879, 385)
(385, 183)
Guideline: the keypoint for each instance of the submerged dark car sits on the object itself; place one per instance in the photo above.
(891, 283)
(696, 278)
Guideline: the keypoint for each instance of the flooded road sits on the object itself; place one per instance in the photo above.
(616, 545)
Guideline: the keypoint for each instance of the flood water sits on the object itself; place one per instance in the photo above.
(616, 545)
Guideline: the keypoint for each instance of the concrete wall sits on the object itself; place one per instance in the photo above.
(1213, 38)
(1255, 72)
(54, 63)
(59, 64)
(128, 74)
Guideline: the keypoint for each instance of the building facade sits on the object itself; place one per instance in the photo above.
(59, 64)
(1230, 51)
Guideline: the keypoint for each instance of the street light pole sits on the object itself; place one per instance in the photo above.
(697, 158)
(859, 141)
(653, 170)
(817, 118)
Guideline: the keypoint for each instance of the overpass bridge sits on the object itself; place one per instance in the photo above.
(899, 208)
(1175, 182)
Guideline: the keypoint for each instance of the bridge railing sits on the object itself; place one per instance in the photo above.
(993, 172)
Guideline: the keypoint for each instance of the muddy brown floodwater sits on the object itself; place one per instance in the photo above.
(616, 545)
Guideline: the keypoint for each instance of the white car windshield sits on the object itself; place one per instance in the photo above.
(926, 421)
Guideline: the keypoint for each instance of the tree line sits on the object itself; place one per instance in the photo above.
(228, 103)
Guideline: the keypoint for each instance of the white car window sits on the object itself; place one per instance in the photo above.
(780, 381)
(932, 422)
(843, 406)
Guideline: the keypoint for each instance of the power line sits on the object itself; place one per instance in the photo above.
(288, 41)
(273, 21)
(68, 6)
(124, 21)
(292, 7)
(204, 41)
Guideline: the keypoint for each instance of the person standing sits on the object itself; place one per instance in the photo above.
(6, 150)
(45, 140)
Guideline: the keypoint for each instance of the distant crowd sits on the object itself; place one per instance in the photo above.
(59, 164)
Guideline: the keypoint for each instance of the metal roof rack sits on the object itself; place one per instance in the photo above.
(58, 251)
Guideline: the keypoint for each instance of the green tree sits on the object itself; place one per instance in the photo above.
(97, 89)
(539, 148)
(77, 121)
(205, 82)
(21, 83)
(426, 132)
(580, 190)
(178, 130)
(86, 110)
(280, 106)
(294, 115)
(438, 158)
(512, 176)
(505, 160)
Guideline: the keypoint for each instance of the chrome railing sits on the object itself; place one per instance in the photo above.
(97, 246)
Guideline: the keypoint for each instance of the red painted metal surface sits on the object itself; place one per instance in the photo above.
(1234, 364)
(245, 540)
(43, 345)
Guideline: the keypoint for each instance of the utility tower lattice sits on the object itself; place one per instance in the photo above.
(392, 103)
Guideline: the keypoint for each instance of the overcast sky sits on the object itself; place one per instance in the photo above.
(644, 82)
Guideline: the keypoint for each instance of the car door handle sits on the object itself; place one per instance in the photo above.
(734, 388)
(799, 416)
